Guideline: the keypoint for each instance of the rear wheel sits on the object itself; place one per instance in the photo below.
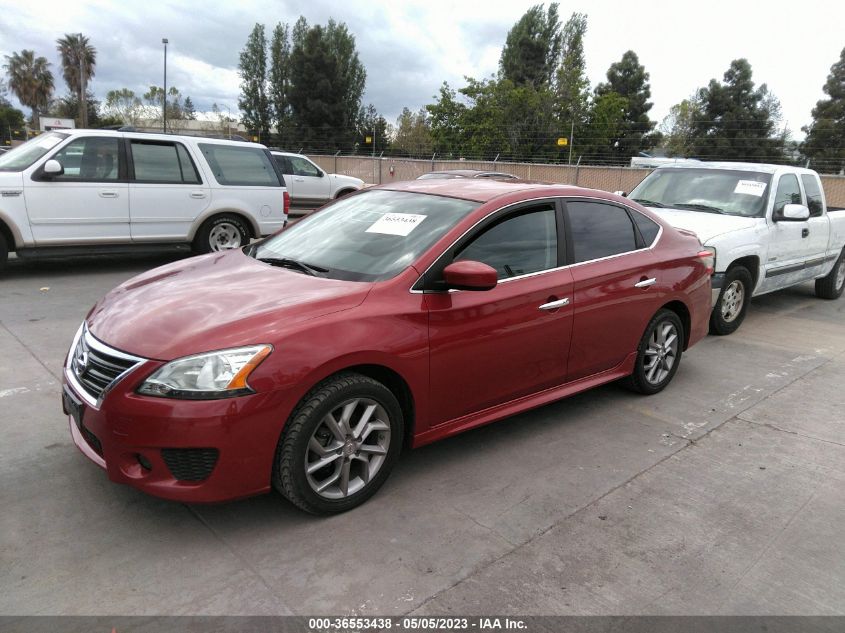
(658, 354)
(729, 311)
(831, 286)
(221, 233)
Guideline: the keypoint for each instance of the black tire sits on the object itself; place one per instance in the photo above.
(727, 317)
(831, 286)
(4, 252)
(206, 242)
(642, 380)
(289, 467)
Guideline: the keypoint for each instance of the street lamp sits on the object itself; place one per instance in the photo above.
(164, 41)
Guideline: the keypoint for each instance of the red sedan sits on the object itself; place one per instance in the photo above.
(396, 316)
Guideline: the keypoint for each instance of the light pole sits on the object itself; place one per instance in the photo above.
(164, 96)
(228, 122)
(83, 107)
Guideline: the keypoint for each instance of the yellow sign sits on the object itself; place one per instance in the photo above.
(563, 141)
(368, 139)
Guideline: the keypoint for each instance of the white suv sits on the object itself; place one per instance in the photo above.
(308, 184)
(83, 191)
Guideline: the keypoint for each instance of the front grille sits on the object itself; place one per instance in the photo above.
(96, 366)
(190, 464)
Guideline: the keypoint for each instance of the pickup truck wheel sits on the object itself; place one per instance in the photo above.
(339, 444)
(831, 287)
(729, 311)
(658, 354)
(221, 233)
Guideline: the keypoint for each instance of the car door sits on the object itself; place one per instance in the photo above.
(818, 225)
(166, 192)
(616, 285)
(89, 202)
(788, 240)
(493, 346)
(310, 183)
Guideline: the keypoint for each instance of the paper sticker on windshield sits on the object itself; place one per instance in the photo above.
(750, 188)
(396, 223)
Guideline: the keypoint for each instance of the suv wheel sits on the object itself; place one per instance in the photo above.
(221, 233)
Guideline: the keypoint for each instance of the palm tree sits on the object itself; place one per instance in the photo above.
(31, 81)
(76, 52)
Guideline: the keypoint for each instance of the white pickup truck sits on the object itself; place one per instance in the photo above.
(768, 226)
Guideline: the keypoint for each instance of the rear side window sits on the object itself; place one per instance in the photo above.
(814, 195)
(163, 162)
(648, 227)
(240, 166)
(599, 230)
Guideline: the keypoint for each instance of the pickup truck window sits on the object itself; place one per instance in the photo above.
(727, 191)
(788, 192)
(20, 157)
(814, 195)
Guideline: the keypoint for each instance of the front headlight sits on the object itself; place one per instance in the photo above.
(221, 374)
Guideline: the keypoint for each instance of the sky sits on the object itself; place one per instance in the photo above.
(409, 47)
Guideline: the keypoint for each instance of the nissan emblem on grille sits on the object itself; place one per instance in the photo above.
(80, 358)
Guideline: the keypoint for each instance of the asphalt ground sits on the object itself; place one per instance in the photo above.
(725, 494)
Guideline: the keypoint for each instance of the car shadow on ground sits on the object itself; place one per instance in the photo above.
(18, 268)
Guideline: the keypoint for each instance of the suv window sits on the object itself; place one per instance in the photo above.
(302, 167)
(788, 192)
(517, 245)
(162, 162)
(240, 166)
(92, 158)
(284, 164)
(599, 230)
(814, 195)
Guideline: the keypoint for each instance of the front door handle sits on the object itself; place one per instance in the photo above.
(299, 180)
(554, 305)
(198, 194)
(645, 283)
(108, 194)
(805, 232)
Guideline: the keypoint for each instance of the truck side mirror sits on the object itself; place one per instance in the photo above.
(793, 213)
(53, 168)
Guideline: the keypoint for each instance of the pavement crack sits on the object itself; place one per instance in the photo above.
(773, 427)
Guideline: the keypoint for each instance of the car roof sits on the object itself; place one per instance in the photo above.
(157, 136)
(470, 173)
(758, 167)
(483, 190)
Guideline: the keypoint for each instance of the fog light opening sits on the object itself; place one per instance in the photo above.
(145, 463)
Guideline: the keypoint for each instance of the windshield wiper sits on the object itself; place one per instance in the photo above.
(696, 207)
(649, 203)
(294, 264)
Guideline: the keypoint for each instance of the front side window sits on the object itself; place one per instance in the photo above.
(517, 245)
(371, 236)
(234, 165)
(284, 164)
(788, 192)
(814, 195)
(162, 163)
(599, 230)
(302, 167)
(93, 158)
(20, 157)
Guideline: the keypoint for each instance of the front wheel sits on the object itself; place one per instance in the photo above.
(658, 354)
(831, 286)
(729, 311)
(339, 445)
(221, 233)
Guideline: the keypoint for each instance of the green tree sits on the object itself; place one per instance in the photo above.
(154, 98)
(824, 144)
(738, 122)
(532, 48)
(604, 128)
(67, 107)
(30, 80)
(572, 87)
(124, 105)
(326, 84)
(446, 117)
(253, 102)
(280, 83)
(412, 135)
(678, 127)
(11, 123)
(189, 112)
(373, 125)
(629, 79)
(78, 57)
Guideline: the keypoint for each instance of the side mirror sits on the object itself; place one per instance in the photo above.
(466, 274)
(621, 193)
(53, 168)
(794, 213)
(320, 173)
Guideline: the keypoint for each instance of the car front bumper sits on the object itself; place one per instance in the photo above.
(717, 280)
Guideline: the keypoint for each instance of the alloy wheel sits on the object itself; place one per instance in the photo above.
(840, 274)
(661, 352)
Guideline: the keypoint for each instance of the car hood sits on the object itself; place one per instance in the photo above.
(705, 225)
(213, 302)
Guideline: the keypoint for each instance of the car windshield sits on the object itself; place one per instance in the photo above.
(22, 156)
(366, 237)
(727, 191)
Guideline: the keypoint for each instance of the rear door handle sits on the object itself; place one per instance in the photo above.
(108, 194)
(198, 194)
(645, 283)
(554, 305)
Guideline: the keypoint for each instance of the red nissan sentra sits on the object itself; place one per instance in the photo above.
(396, 316)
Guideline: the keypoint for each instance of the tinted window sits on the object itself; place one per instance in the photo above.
(240, 166)
(302, 167)
(284, 164)
(89, 158)
(814, 194)
(162, 162)
(370, 236)
(648, 227)
(788, 192)
(518, 245)
(599, 230)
